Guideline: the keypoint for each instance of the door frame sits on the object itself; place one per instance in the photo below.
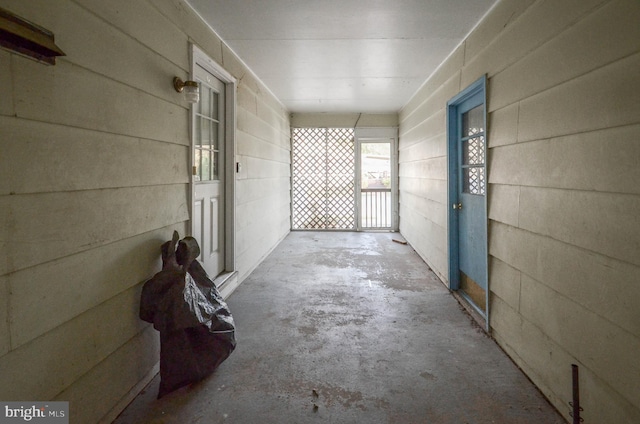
(200, 58)
(368, 135)
(453, 130)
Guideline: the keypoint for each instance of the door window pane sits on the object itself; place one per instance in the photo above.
(198, 167)
(203, 132)
(375, 165)
(205, 174)
(214, 166)
(473, 180)
(473, 121)
(204, 105)
(473, 151)
(213, 134)
(215, 98)
(197, 132)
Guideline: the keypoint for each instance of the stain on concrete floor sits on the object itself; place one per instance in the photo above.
(340, 327)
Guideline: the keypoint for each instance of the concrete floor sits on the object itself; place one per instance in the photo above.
(337, 327)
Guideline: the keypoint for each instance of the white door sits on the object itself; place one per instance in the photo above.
(375, 199)
(377, 178)
(209, 172)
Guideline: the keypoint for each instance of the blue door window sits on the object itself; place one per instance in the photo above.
(473, 151)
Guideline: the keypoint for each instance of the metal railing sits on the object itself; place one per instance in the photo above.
(376, 208)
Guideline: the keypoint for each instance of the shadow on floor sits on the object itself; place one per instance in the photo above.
(337, 327)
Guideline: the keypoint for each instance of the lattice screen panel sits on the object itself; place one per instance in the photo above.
(323, 178)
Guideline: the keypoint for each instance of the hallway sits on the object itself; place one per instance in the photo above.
(340, 327)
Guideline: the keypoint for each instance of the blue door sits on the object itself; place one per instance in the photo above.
(467, 196)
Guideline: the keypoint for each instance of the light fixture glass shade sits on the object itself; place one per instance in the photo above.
(191, 89)
(192, 93)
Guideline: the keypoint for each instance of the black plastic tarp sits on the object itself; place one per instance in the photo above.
(197, 332)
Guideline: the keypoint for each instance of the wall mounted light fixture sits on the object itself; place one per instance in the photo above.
(190, 88)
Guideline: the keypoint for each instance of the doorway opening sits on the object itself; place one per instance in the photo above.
(376, 162)
(344, 179)
(467, 195)
(213, 168)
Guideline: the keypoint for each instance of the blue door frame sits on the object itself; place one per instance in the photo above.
(472, 96)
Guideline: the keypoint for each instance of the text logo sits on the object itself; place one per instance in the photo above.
(34, 412)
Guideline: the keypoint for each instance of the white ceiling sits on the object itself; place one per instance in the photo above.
(365, 56)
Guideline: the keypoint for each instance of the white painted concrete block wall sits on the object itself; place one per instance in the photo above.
(94, 171)
(564, 190)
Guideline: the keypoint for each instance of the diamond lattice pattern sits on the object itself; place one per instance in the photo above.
(474, 181)
(473, 151)
(473, 147)
(323, 173)
(473, 155)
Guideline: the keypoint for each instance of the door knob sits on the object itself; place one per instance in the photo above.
(457, 206)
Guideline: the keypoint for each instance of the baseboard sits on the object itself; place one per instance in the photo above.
(130, 396)
(227, 283)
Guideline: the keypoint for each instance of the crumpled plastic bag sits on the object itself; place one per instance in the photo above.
(197, 332)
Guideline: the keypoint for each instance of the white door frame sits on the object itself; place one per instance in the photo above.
(200, 58)
(363, 135)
